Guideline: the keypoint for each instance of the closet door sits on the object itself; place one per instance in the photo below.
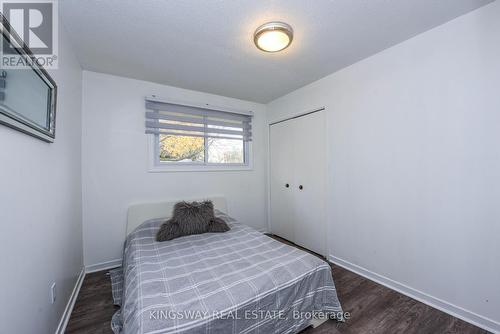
(281, 179)
(309, 185)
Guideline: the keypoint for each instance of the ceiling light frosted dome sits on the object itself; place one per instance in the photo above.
(273, 36)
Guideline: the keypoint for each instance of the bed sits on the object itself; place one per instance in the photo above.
(240, 281)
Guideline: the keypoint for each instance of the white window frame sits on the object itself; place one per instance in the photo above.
(157, 166)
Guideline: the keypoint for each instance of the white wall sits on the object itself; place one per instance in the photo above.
(40, 211)
(414, 161)
(115, 163)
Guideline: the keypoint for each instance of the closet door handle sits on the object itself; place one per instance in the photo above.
(287, 185)
(300, 187)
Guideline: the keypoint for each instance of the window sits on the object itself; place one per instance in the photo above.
(197, 136)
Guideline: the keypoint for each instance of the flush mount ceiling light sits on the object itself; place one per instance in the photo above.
(273, 36)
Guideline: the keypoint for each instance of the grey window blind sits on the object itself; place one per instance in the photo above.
(184, 120)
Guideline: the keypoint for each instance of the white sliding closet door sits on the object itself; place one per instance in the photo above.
(310, 169)
(298, 159)
(281, 175)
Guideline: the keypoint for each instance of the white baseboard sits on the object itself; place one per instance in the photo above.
(61, 328)
(103, 266)
(456, 311)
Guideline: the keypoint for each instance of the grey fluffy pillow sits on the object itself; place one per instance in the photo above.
(191, 218)
(217, 225)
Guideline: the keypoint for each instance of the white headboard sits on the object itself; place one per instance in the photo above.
(139, 213)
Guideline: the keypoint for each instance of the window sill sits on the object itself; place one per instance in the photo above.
(199, 168)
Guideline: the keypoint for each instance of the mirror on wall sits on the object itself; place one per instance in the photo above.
(27, 92)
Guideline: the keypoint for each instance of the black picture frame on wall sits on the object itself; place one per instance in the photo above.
(39, 120)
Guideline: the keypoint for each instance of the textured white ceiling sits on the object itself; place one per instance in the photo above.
(207, 45)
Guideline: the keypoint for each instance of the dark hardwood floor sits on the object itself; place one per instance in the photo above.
(94, 306)
(373, 309)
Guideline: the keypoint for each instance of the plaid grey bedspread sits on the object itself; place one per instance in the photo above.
(240, 281)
